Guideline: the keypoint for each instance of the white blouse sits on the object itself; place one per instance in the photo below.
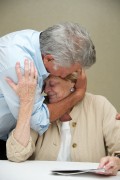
(64, 152)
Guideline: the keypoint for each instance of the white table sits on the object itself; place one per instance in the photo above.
(41, 170)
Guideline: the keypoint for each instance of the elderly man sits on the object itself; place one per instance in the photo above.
(58, 50)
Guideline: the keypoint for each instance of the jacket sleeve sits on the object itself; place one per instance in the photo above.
(111, 128)
(17, 152)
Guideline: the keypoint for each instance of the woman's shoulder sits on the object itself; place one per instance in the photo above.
(91, 96)
(96, 100)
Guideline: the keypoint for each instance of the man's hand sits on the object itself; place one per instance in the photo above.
(80, 86)
(81, 83)
(65, 117)
(118, 116)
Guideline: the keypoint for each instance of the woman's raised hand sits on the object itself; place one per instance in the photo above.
(26, 86)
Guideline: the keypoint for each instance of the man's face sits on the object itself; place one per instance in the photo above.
(57, 70)
(60, 71)
(64, 71)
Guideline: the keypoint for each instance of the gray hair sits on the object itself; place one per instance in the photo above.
(68, 43)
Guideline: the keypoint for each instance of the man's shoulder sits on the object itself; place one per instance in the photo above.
(25, 31)
(22, 31)
(17, 35)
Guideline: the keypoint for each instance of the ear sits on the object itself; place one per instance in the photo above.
(72, 84)
(47, 59)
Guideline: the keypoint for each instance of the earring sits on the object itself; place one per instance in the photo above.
(72, 89)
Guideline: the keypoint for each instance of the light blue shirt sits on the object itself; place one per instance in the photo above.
(18, 46)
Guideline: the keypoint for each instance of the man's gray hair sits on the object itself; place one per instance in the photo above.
(68, 43)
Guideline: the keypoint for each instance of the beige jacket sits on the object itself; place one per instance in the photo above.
(95, 134)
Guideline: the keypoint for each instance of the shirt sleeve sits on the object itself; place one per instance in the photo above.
(15, 48)
(40, 115)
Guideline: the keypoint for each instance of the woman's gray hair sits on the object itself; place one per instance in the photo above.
(68, 43)
(72, 77)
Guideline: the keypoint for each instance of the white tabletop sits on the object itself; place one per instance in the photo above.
(41, 170)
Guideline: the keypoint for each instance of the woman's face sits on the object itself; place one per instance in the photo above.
(57, 88)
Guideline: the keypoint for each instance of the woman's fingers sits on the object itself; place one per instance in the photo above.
(33, 71)
(26, 85)
(30, 71)
(26, 69)
(36, 74)
(11, 84)
(110, 164)
(103, 162)
(18, 71)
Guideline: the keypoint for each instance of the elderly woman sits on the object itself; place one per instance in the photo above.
(92, 135)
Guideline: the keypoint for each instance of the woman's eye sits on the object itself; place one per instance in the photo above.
(52, 85)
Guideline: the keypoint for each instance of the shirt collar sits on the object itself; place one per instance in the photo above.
(38, 57)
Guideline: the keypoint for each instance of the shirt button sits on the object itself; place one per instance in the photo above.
(54, 144)
(74, 124)
(74, 145)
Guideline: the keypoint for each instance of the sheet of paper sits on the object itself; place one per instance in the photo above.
(73, 172)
